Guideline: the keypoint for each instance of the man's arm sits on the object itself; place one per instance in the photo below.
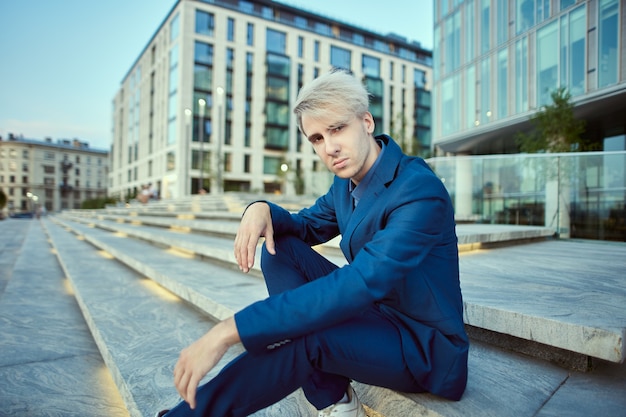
(200, 357)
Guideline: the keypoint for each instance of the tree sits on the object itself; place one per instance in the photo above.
(556, 127)
(397, 130)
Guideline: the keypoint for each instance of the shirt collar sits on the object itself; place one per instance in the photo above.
(357, 191)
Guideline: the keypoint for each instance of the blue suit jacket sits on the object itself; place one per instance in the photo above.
(401, 246)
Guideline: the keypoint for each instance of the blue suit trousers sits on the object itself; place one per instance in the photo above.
(366, 348)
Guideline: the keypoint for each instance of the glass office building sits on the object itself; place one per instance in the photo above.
(497, 61)
(208, 103)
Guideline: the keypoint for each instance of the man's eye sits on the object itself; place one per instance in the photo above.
(337, 129)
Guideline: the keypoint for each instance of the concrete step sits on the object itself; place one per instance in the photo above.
(534, 298)
(225, 223)
(49, 363)
(140, 328)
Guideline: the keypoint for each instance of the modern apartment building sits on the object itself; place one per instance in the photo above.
(208, 103)
(496, 62)
(51, 175)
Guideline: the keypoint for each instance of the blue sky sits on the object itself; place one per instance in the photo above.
(61, 62)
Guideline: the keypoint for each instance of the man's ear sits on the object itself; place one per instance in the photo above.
(370, 125)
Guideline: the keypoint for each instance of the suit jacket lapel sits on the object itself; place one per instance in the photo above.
(374, 198)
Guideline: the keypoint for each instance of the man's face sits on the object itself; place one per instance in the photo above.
(345, 145)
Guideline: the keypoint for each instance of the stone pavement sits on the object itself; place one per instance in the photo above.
(51, 366)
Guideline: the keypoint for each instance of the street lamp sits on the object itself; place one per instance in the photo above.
(202, 105)
(220, 97)
(284, 168)
(187, 148)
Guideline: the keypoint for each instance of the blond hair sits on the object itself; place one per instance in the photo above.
(337, 92)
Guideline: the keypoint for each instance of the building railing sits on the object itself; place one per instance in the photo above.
(580, 195)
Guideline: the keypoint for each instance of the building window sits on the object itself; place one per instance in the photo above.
(300, 47)
(502, 21)
(250, 35)
(485, 91)
(340, 57)
(206, 159)
(449, 106)
(276, 41)
(202, 77)
(371, 66)
(503, 69)
(573, 32)
(203, 53)
(249, 62)
(278, 113)
(277, 89)
(607, 42)
(521, 75)
(419, 78)
(530, 13)
(470, 40)
(485, 28)
(547, 62)
(271, 165)
(316, 51)
(300, 76)
(228, 162)
(174, 27)
(172, 99)
(205, 23)
(452, 42)
(246, 163)
(278, 65)
(170, 161)
(230, 31)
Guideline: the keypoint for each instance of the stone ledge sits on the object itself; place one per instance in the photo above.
(492, 299)
(500, 383)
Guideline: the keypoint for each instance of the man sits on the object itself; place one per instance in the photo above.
(391, 317)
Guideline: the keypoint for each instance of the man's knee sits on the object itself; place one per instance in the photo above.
(286, 246)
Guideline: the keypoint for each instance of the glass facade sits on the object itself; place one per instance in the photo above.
(490, 75)
(505, 74)
(578, 195)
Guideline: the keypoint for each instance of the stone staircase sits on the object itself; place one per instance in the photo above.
(546, 316)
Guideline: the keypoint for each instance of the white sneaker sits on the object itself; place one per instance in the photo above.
(352, 408)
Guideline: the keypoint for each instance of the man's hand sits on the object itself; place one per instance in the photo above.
(201, 356)
(255, 223)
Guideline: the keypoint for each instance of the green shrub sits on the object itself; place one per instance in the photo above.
(97, 203)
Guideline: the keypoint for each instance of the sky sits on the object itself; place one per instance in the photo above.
(62, 62)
